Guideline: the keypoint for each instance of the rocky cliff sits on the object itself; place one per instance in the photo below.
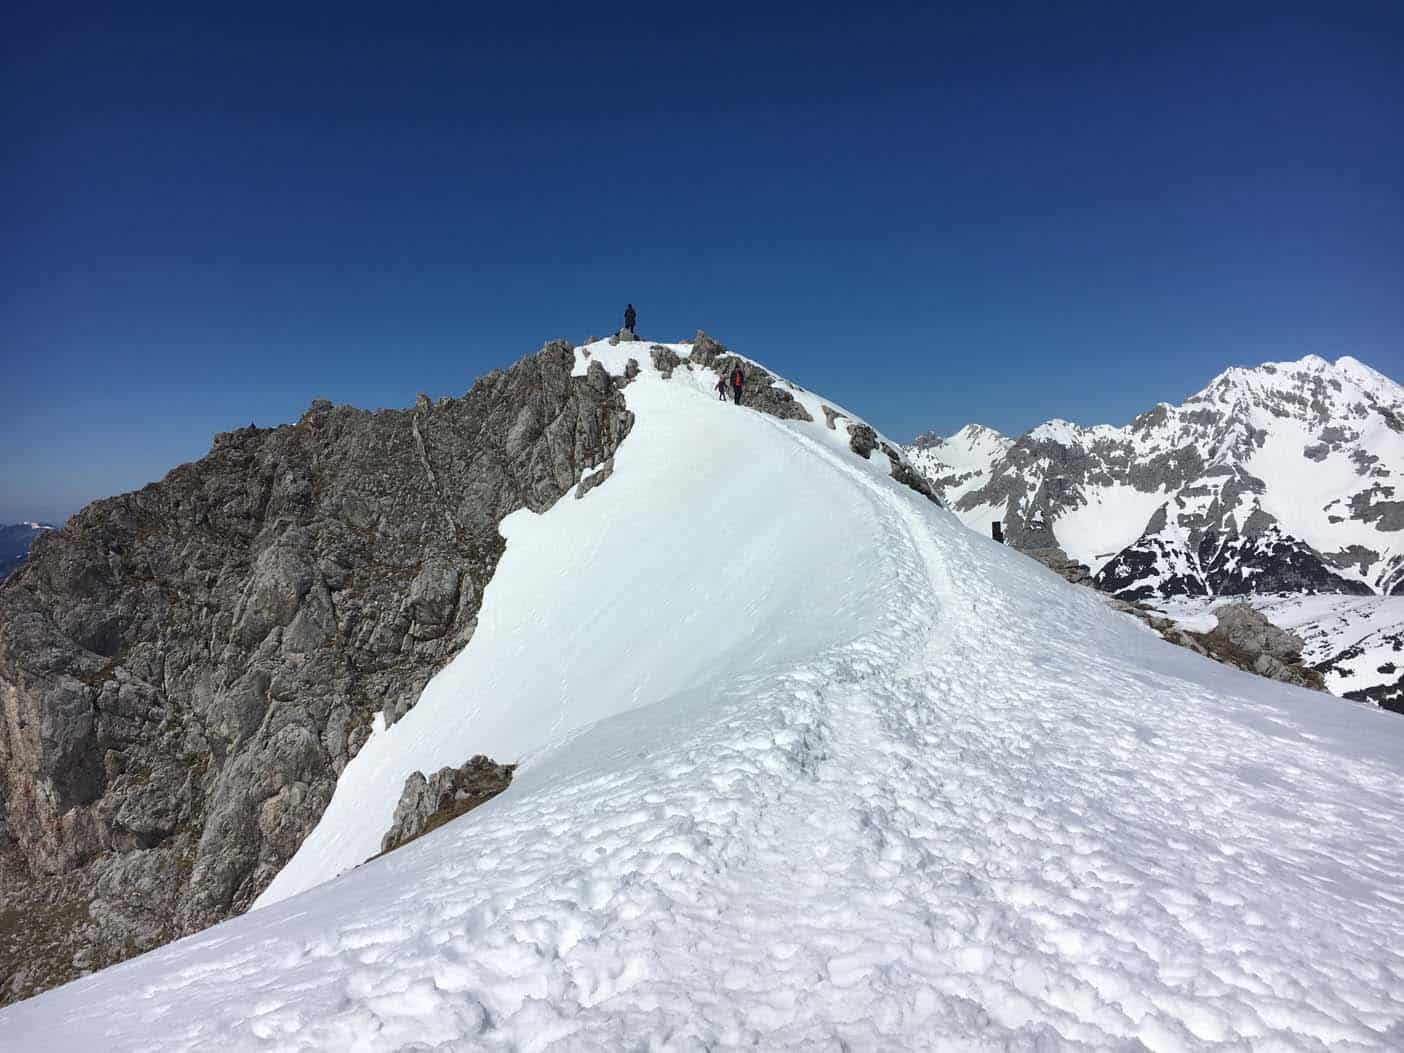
(185, 670)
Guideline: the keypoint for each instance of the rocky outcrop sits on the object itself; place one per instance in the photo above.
(185, 670)
(862, 440)
(705, 350)
(908, 476)
(665, 360)
(1058, 561)
(762, 391)
(428, 803)
(595, 478)
(769, 394)
(1243, 637)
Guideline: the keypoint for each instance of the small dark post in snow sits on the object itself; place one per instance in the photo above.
(997, 531)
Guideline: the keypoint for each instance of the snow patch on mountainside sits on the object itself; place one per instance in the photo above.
(1112, 518)
(805, 764)
(1299, 465)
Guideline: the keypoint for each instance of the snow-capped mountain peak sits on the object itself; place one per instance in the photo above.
(1309, 448)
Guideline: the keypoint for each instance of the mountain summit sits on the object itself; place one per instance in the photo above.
(1278, 478)
(801, 762)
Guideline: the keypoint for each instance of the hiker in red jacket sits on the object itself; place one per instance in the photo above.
(737, 380)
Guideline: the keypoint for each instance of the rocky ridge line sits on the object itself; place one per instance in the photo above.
(186, 670)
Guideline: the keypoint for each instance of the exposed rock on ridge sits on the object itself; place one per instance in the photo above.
(185, 670)
(428, 803)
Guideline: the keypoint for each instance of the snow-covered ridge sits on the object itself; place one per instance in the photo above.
(562, 553)
(806, 764)
(1310, 449)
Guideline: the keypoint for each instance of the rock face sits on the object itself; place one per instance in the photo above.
(1278, 478)
(665, 360)
(762, 391)
(427, 804)
(185, 670)
(862, 440)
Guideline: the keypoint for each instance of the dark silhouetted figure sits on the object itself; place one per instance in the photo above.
(629, 317)
(721, 388)
(738, 379)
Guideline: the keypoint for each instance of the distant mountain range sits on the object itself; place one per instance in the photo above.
(14, 544)
(1279, 478)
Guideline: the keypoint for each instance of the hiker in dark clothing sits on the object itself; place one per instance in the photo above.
(629, 317)
(721, 388)
(737, 380)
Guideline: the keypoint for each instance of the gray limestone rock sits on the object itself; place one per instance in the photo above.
(1243, 627)
(862, 440)
(1058, 561)
(705, 350)
(1245, 638)
(185, 670)
(595, 478)
(762, 391)
(428, 803)
(665, 360)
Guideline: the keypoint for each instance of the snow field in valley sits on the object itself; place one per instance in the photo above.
(834, 772)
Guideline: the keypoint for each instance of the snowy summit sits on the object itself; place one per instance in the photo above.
(806, 764)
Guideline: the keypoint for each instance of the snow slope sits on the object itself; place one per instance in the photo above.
(806, 764)
(638, 593)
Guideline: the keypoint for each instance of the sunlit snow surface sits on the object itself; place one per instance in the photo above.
(832, 772)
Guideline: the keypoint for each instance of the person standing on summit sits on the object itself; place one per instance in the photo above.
(629, 317)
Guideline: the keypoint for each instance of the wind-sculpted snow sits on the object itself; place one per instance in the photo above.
(966, 806)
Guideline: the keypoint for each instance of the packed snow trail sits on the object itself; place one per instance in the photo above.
(979, 811)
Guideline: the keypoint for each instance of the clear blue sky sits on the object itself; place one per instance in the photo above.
(212, 218)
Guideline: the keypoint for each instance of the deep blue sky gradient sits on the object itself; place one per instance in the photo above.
(1054, 210)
